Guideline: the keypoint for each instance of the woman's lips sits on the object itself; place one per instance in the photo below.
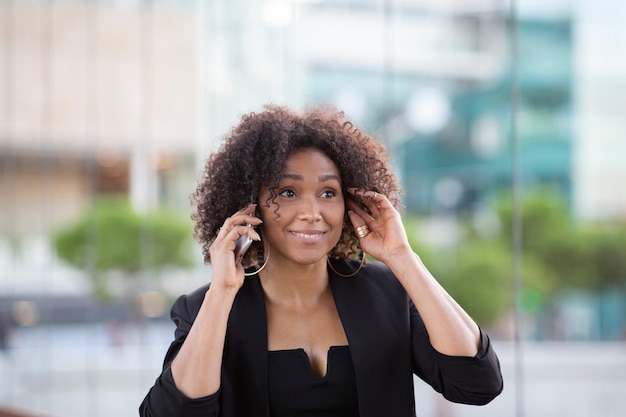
(309, 236)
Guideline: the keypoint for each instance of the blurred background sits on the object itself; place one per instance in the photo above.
(505, 119)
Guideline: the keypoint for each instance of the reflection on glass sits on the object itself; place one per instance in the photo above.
(117, 99)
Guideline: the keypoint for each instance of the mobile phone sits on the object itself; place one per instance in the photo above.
(242, 245)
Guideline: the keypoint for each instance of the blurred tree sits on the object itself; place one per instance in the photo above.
(579, 255)
(112, 237)
(476, 272)
(481, 280)
(606, 255)
(550, 235)
(558, 254)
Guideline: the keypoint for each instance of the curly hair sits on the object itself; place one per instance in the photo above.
(253, 156)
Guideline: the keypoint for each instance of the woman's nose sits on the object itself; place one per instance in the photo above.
(310, 209)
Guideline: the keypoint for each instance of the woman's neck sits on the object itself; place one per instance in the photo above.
(301, 286)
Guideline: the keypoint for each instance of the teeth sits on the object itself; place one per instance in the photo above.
(306, 236)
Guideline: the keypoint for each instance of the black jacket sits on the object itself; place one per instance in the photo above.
(388, 343)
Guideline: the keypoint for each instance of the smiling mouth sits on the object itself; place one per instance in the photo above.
(308, 236)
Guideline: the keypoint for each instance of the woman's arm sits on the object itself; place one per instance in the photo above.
(164, 399)
(449, 350)
(196, 369)
(451, 330)
(473, 380)
(192, 370)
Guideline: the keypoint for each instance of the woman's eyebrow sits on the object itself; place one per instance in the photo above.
(294, 177)
(329, 177)
(321, 178)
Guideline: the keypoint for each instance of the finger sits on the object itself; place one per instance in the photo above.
(249, 210)
(358, 210)
(356, 219)
(242, 217)
(361, 229)
(364, 206)
(244, 230)
(373, 200)
(376, 201)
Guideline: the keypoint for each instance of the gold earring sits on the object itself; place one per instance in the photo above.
(348, 275)
(249, 274)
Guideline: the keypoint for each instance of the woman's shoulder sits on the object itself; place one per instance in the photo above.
(374, 286)
(195, 296)
(189, 304)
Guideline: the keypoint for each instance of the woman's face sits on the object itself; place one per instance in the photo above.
(305, 220)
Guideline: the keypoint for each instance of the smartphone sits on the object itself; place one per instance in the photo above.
(242, 245)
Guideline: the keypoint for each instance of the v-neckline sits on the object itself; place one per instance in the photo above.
(307, 360)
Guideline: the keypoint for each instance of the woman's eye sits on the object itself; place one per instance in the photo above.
(329, 194)
(287, 193)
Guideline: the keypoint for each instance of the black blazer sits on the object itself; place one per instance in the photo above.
(388, 343)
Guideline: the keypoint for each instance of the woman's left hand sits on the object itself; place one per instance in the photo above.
(450, 330)
(386, 238)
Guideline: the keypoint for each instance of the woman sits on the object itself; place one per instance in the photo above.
(311, 328)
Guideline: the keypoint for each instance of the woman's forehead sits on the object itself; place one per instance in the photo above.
(307, 158)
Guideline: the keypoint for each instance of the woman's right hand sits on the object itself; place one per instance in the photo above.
(228, 273)
(196, 369)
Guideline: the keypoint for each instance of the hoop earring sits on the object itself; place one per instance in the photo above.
(249, 274)
(348, 275)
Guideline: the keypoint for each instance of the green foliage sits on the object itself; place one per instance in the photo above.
(479, 276)
(579, 255)
(550, 236)
(113, 237)
(605, 255)
(545, 219)
(558, 254)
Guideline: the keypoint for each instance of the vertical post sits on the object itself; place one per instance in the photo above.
(516, 213)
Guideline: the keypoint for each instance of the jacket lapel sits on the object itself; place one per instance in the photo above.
(373, 311)
(245, 354)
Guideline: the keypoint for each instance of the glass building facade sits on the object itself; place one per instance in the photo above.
(475, 100)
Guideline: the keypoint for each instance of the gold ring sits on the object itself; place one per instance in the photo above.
(362, 231)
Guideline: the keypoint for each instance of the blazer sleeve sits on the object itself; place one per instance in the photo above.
(469, 380)
(164, 399)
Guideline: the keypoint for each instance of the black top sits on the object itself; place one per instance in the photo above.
(388, 342)
(295, 391)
